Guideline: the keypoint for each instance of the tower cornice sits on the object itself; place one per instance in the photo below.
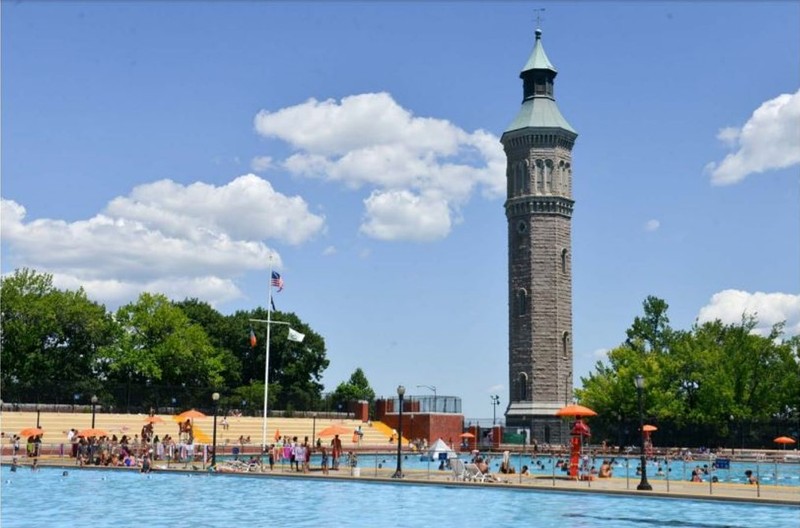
(539, 205)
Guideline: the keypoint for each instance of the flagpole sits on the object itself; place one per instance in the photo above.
(266, 359)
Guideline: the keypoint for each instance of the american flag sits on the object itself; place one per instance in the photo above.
(277, 281)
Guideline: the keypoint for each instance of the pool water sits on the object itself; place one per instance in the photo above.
(100, 499)
(769, 473)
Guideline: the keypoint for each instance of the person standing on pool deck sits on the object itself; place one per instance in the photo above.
(336, 450)
(324, 452)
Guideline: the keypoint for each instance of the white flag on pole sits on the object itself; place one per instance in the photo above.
(294, 335)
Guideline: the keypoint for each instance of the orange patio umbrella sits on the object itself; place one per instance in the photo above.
(649, 428)
(334, 429)
(576, 411)
(191, 413)
(88, 433)
(153, 420)
(31, 431)
(466, 435)
(784, 440)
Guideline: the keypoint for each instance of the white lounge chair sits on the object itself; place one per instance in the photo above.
(459, 469)
(472, 472)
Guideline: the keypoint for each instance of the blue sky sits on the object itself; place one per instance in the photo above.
(173, 147)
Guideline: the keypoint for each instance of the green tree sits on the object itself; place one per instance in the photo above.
(707, 378)
(159, 344)
(355, 389)
(295, 369)
(218, 328)
(651, 332)
(52, 340)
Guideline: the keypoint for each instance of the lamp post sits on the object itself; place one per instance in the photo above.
(495, 402)
(399, 472)
(643, 484)
(215, 398)
(94, 405)
(433, 388)
(566, 388)
(314, 427)
(733, 437)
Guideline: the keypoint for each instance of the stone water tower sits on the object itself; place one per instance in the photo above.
(538, 146)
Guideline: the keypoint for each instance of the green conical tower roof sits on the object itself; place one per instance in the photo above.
(539, 108)
(538, 59)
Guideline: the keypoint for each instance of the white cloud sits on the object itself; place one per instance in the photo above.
(652, 225)
(601, 354)
(330, 250)
(370, 141)
(401, 215)
(769, 308)
(246, 208)
(260, 163)
(163, 237)
(769, 140)
(214, 290)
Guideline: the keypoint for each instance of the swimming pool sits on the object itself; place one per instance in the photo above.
(100, 499)
(769, 473)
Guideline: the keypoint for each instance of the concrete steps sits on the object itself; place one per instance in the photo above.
(56, 426)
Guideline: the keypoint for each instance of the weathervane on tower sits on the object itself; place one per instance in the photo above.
(539, 12)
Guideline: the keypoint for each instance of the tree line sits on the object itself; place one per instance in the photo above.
(715, 384)
(60, 347)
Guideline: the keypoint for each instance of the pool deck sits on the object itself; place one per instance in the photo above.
(765, 494)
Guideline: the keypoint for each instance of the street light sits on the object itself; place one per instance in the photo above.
(314, 427)
(215, 398)
(94, 404)
(495, 403)
(733, 438)
(643, 484)
(399, 472)
(433, 388)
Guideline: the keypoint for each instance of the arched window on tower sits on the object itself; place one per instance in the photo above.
(563, 260)
(548, 167)
(564, 344)
(522, 386)
(569, 178)
(526, 176)
(562, 183)
(522, 301)
(538, 176)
